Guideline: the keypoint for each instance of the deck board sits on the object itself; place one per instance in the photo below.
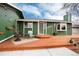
(52, 42)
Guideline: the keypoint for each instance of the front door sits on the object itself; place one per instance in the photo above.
(42, 28)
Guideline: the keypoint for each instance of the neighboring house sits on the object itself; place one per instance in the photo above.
(8, 14)
(75, 27)
(45, 26)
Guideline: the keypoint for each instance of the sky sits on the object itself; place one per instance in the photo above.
(42, 10)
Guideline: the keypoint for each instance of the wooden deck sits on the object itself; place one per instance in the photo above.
(49, 42)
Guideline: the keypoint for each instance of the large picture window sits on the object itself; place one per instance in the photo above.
(61, 27)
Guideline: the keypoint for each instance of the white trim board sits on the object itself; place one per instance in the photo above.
(6, 38)
(14, 6)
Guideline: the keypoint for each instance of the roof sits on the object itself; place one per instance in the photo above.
(14, 6)
(43, 20)
(10, 5)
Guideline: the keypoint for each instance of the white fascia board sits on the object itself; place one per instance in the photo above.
(14, 6)
(6, 38)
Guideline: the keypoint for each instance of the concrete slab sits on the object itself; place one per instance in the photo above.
(41, 52)
(62, 52)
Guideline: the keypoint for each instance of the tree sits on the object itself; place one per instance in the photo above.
(73, 8)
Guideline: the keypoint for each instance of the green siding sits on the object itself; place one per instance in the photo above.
(20, 27)
(41, 28)
(49, 28)
(61, 33)
(53, 30)
(70, 17)
(5, 35)
(58, 32)
(66, 17)
(54, 27)
(69, 29)
(35, 28)
(7, 19)
(68, 32)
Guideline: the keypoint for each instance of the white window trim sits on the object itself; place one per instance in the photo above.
(60, 26)
(43, 28)
(45, 24)
(31, 24)
(24, 26)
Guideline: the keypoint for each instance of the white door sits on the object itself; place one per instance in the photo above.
(42, 28)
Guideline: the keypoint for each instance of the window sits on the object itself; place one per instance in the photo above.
(29, 25)
(61, 27)
(58, 27)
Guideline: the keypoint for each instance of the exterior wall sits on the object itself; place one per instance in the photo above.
(51, 29)
(7, 19)
(68, 32)
(69, 29)
(35, 28)
(20, 27)
(40, 27)
(61, 33)
(67, 17)
(75, 30)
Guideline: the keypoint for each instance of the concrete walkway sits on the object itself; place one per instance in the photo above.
(41, 52)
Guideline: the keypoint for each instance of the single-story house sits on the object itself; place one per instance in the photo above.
(11, 15)
(45, 26)
(75, 27)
